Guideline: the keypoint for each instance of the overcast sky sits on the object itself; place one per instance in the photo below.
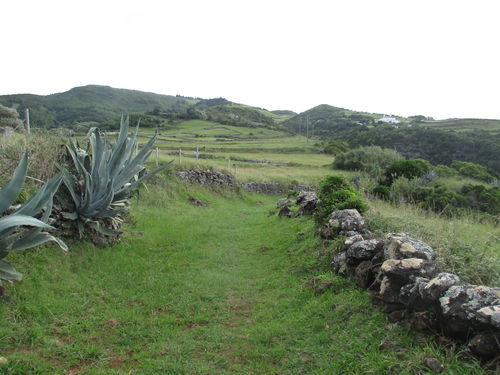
(438, 58)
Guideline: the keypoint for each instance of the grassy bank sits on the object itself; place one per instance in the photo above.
(222, 289)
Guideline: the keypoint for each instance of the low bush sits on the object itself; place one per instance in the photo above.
(371, 159)
(335, 193)
(444, 171)
(335, 147)
(406, 168)
(382, 192)
(440, 199)
(473, 170)
(481, 198)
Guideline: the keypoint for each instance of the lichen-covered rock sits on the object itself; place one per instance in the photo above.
(348, 220)
(346, 223)
(436, 287)
(401, 270)
(363, 250)
(285, 202)
(339, 263)
(352, 239)
(401, 246)
(308, 202)
(410, 295)
(489, 315)
(466, 301)
(389, 290)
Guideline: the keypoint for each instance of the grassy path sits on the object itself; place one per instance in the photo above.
(190, 290)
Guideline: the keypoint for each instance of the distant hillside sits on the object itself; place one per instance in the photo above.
(284, 112)
(90, 104)
(440, 142)
(103, 104)
(326, 120)
(464, 124)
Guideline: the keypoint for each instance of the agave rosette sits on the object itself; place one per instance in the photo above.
(104, 177)
(19, 228)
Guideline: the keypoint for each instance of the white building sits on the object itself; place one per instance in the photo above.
(388, 119)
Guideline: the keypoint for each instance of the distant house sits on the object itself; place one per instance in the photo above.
(388, 119)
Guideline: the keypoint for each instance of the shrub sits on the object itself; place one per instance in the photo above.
(440, 199)
(371, 159)
(336, 194)
(335, 147)
(382, 192)
(473, 170)
(406, 168)
(481, 198)
(404, 189)
(444, 171)
(9, 117)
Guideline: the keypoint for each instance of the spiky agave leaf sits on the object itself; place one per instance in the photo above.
(12, 235)
(12, 188)
(106, 178)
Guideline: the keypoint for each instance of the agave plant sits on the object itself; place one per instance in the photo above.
(19, 228)
(100, 179)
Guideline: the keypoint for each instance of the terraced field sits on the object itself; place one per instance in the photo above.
(257, 154)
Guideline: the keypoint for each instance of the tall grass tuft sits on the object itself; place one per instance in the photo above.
(464, 245)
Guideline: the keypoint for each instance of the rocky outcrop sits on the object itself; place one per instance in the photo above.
(348, 223)
(402, 274)
(284, 207)
(307, 202)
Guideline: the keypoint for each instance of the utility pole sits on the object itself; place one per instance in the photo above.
(180, 156)
(27, 120)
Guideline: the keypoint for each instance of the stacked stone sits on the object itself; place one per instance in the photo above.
(267, 188)
(208, 178)
(307, 202)
(402, 273)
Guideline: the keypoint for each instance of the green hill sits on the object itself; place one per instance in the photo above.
(90, 104)
(103, 104)
(326, 120)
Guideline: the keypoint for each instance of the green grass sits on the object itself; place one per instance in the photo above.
(190, 290)
(464, 245)
(464, 125)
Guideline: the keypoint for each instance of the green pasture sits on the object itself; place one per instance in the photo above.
(465, 125)
(221, 289)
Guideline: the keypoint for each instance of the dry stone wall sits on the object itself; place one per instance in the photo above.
(215, 178)
(402, 274)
